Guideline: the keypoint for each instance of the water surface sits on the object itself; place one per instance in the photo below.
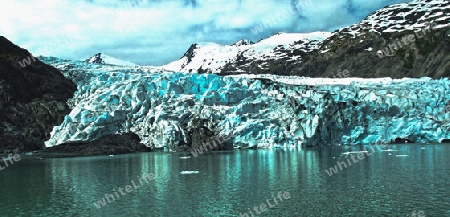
(232, 182)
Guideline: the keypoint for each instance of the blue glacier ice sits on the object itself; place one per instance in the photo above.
(164, 108)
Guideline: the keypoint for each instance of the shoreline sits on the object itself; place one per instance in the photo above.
(41, 154)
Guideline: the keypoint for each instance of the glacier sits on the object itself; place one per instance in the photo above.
(173, 109)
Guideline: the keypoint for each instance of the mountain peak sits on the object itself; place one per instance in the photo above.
(97, 58)
(109, 60)
(243, 42)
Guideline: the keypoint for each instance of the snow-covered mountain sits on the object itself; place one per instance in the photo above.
(214, 57)
(105, 59)
(355, 48)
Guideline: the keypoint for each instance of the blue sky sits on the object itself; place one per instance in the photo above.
(155, 32)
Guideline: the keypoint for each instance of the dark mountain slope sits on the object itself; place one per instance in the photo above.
(412, 39)
(405, 40)
(33, 99)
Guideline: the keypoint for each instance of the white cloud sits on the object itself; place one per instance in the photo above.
(156, 31)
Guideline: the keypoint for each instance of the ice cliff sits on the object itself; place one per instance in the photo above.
(168, 109)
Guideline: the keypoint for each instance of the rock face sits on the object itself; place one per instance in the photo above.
(402, 40)
(97, 58)
(179, 111)
(33, 99)
(107, 145)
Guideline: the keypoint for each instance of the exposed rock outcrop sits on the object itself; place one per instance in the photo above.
(97, 58)
(107, 145)
(101, 58)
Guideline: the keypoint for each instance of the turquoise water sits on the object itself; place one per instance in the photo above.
(232, 183)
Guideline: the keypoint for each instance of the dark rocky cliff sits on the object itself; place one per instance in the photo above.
(33, 99)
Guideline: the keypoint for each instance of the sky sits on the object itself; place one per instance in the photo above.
(156, 32)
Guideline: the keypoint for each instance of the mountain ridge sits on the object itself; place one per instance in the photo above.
(353, 48)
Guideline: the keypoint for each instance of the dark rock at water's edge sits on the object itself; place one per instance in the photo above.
(33, 99)
(401, 140)
(445, 141)
(106, 145)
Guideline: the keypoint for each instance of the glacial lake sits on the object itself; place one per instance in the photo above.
(414, 178)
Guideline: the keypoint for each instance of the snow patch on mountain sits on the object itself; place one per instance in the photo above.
(105, 59)
(214, 56)
(416, 15)
(288, 48)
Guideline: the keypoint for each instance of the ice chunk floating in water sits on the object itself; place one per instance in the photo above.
(189, 172)
(389, 150)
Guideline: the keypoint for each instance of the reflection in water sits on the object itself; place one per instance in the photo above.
(231, 182)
